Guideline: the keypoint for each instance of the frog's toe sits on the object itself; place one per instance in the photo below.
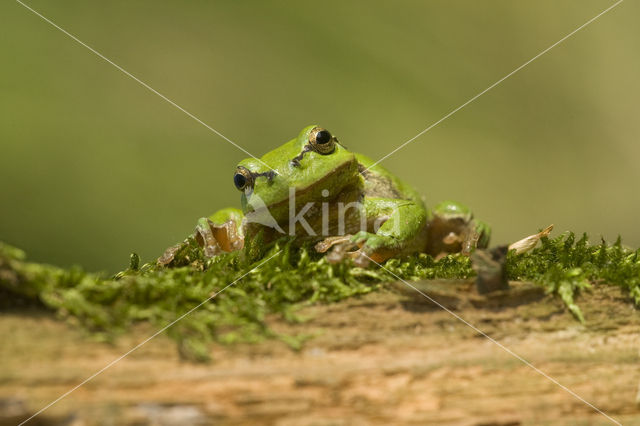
(329, 242)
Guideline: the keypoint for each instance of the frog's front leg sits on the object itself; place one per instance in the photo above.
(399, 227)
(220, 232)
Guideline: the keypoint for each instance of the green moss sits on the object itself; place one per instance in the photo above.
(291, 279)
(568, 267)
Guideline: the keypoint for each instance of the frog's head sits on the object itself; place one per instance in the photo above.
(314, 166)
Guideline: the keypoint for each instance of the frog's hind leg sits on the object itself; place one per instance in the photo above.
(220, 232)
(483, 230)
(453, 229)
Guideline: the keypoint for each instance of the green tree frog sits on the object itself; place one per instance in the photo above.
(317, 191)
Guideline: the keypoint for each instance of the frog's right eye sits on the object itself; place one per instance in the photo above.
(243, 179)
(322, 141)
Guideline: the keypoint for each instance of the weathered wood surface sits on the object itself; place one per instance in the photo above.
(388, 358)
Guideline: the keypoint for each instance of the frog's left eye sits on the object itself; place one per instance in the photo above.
(322, 141)
(243, 179)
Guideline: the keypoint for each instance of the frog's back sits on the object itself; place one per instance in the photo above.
(379, 182)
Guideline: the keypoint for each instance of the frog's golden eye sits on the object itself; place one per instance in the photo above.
(322, 141)
(243, 179)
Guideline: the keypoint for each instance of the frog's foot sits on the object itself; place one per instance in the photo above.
(362, 247)
(476, 235)
(460, 239)
(170, 254)
(215, 239)
(454, 230)
(329, 242)
(338, 248)
(373, 247)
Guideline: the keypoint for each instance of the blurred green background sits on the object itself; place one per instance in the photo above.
(93, 166)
